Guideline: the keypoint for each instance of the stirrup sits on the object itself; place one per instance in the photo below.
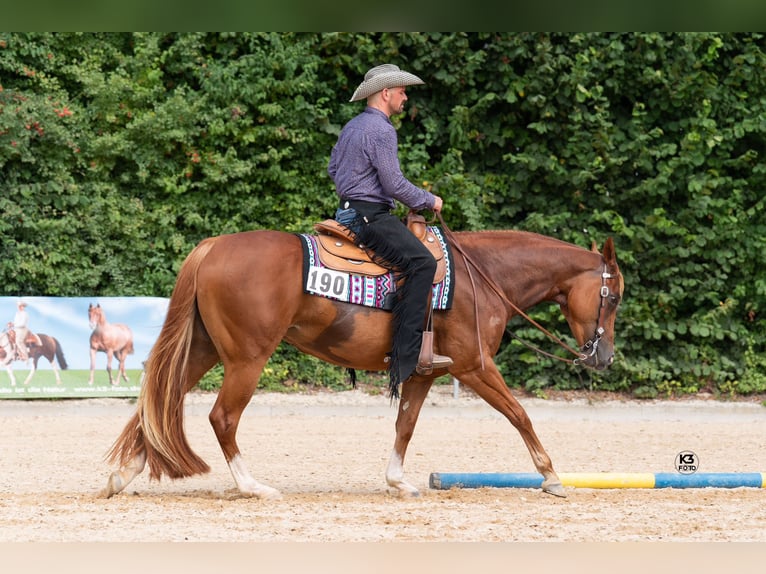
(437, 362)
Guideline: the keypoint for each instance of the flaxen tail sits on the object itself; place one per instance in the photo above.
(157, 427)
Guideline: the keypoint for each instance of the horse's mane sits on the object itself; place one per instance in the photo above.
(528, 236)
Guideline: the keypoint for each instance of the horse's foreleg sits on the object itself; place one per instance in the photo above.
(11, 376)
(491, 387)
(109, 356)
(238, 385)
(414, 393)
(92, 365)
(119, 479)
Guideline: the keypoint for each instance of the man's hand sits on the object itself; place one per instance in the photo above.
(437, 203)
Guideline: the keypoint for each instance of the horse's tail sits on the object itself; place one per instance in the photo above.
(59, 355)
(157, 427)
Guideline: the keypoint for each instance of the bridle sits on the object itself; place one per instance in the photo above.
(588, 349)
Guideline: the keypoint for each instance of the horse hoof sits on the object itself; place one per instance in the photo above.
(407, 491)
(113, 486)
(409, 494)
(554, 488)
(269, 494)
(262, 492)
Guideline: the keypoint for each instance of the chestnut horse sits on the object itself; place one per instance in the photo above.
(50, 349)
(237, 296)
(114, 339)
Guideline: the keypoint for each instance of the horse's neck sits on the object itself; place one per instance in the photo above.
(529, 268)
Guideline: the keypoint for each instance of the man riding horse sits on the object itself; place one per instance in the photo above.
(365, 168)
(20, 335)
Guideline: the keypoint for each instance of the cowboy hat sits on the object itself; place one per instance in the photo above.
(382, 77)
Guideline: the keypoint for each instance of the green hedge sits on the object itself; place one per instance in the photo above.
(119, 152)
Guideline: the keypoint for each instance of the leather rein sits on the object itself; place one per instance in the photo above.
(588, 349)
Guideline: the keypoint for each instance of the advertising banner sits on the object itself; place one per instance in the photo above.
(75, 347)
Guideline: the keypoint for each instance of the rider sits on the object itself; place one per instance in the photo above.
(364, 165)
(21, 327)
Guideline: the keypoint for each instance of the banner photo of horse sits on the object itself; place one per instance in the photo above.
(76, 347)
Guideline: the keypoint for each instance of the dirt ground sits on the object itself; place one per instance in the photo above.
(328, 452)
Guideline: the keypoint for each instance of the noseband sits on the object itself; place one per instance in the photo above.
(590, 347)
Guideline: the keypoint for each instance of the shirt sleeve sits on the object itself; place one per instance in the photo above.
(386, 161)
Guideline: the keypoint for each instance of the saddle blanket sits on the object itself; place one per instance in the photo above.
(377, 292)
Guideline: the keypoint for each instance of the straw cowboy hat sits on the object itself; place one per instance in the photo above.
(382, 77)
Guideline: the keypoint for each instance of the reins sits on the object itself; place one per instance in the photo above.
(471, 263)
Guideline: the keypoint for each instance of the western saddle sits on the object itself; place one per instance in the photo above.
(337, 250)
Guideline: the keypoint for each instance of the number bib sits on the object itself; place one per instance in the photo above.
(328, 282)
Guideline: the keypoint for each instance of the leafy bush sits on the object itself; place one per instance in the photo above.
(119, 152)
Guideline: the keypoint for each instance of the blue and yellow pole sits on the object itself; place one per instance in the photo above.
(447, 480)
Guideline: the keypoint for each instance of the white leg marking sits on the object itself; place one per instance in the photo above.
(119, 479)
(395, 477)
(247, 484)
(31, 373)
(9, 370)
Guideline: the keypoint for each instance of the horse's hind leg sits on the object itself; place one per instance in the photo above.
(122, 356)
(56, 372)
(124, 360)
(120, 478)
(239, 383)
(32, 369)
(490, 386)
(414, 392)
(203, 357)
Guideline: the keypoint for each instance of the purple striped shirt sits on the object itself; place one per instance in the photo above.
(365, 167)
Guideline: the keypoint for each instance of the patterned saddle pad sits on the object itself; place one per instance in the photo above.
(375, 291)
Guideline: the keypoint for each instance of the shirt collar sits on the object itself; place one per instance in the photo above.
(371, 110)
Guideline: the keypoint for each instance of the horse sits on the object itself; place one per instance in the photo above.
(50, 349)
(114, 339)
(237, 296)
(7, 355)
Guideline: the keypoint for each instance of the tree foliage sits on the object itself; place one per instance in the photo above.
(119, 152)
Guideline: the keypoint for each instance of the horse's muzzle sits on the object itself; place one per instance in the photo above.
(600, 360)
(604, 365)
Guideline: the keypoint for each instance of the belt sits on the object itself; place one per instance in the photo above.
(365, 206)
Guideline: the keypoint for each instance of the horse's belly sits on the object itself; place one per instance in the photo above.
(343, 334)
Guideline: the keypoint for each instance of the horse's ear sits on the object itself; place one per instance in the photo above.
(594, 247)
(90, 306)
(609, 254)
